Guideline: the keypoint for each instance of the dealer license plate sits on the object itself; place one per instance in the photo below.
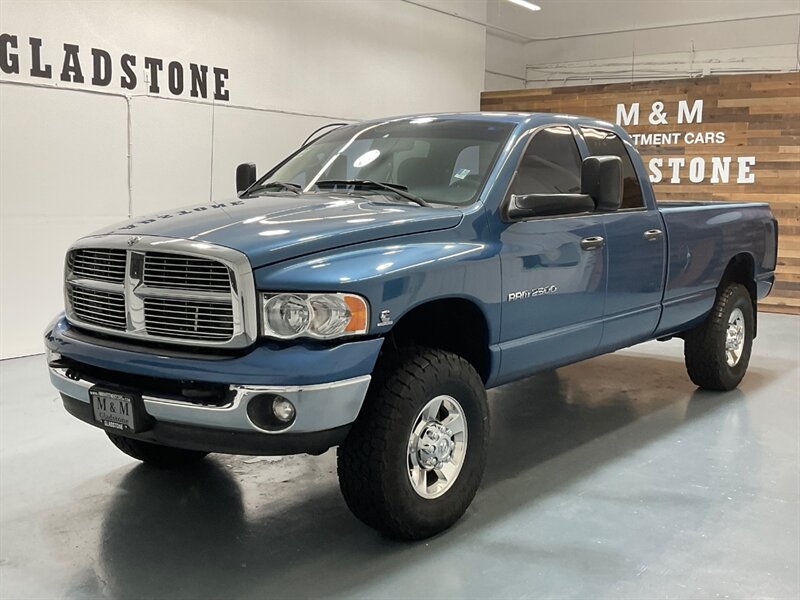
(113, 410)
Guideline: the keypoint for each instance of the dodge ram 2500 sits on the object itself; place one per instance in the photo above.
(366, 291)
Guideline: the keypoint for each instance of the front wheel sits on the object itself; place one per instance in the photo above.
(718, 351)
(415, 457)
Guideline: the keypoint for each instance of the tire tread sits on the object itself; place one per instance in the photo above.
(706, 366)
(362, 460)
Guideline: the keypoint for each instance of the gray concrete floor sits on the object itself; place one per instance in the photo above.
(612, 478)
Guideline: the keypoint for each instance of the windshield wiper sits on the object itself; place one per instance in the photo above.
(399, 190)
(279, 185)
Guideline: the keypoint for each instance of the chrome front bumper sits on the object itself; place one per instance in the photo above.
(318, 407)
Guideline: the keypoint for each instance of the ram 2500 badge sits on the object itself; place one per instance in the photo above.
(365, 292)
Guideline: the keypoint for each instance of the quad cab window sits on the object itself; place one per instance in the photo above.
(605, 143)
(551, 164)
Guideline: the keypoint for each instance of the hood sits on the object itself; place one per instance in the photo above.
(273, 228)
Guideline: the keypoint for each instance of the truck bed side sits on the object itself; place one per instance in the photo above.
(703, 239)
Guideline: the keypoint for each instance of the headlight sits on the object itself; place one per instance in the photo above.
(322, 316)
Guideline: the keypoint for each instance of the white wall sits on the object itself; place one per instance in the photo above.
(74, 157)
(579, 42)
(753, 45)
(505, 63)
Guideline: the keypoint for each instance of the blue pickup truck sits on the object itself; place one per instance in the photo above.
(366, 291)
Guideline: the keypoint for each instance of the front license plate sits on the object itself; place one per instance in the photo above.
(113, 410)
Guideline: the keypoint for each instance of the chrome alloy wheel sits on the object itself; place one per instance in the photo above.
(437, 447)
(734, 338)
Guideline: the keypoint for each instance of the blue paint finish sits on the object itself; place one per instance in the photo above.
(401, 256)
(273, 228)
(539, 254)
(703, 238)
(398, 276)
(265, 364)
(636, 271)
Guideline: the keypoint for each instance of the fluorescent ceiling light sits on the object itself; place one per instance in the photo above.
(526, 4)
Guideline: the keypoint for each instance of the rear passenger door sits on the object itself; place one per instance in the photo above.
(553, 282)
(636, 247)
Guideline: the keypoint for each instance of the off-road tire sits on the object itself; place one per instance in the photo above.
(154, 454)
(372, 462)
(704, 346)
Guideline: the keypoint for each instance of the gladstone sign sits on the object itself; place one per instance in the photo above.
(97, 67)
(676, 169)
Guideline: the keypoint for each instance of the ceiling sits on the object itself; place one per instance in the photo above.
(568, 18)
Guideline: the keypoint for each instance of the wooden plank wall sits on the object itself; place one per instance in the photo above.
(759, 115)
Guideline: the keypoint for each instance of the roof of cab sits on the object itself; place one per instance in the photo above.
(520, 118)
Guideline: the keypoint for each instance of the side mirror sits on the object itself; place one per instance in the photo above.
(245, 176)
(601, 191)
(601, 178)
(548, 205)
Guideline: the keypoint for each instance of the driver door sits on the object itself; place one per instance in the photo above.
(553, 268)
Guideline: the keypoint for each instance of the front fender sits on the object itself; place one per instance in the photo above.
(397, 277)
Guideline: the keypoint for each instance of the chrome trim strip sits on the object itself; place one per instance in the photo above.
(75, 389)
(318, 407)
(242, 294)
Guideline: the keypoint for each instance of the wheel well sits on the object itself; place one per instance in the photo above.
(741, 269)
(453, 324)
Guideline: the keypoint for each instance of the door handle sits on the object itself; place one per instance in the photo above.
(592, 243)
(651, 235)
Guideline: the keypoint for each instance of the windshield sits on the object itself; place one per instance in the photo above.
(442, 161)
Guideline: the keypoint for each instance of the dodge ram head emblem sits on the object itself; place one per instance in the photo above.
(134, 239)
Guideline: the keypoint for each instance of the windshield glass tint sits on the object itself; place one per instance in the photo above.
(441, 161)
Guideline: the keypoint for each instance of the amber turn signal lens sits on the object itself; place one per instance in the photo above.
(358, 314)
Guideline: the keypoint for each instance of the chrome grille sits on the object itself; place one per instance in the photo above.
(162, 289)
(106, 309)
(189, 319)
(98, 264)
(185, 272)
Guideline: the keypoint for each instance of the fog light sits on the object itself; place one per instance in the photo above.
(271, 412)
(283, 409)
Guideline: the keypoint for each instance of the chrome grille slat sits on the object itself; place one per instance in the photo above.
(165, 270)
(199, 276)
(222, 324)
(156, 317)
(106, 309)
(87, 255)
(86, 304)
(108, 312)
(186, 329)
(88, 292)
(112, 258)
(103, 265)
(156, 260)
(188, 318)
(164, 289)
(179, 312)
(188, 336)
(167, 296)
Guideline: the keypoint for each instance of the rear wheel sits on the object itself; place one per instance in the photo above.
(155, 454)
(717, 352)
(414, 459)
